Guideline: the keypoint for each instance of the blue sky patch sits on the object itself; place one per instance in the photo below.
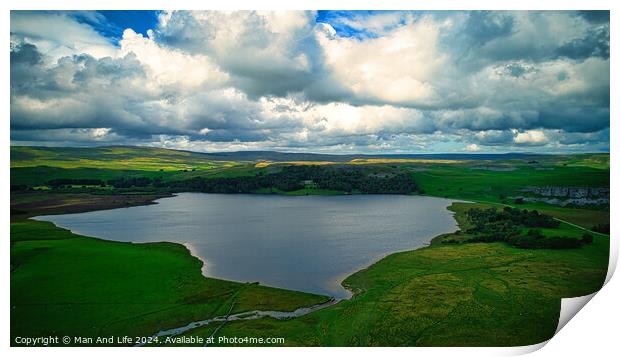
(112, 23)
(340, 21)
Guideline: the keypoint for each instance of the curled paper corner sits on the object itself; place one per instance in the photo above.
(613, 260)
(523, 350)
(570, 307)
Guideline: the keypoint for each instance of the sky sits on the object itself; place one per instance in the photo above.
(313, 81)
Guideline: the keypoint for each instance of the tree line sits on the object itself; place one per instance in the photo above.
(510, 225)
(68, 181)
(292, 178)
(289, 178)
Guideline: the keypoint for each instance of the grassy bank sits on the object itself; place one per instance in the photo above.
(64, 284)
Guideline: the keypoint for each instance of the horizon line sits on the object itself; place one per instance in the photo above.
(319, 153)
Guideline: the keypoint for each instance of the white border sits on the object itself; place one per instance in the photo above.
(592, 331)
(317, 4)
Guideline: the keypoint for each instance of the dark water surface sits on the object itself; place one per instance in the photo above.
(308, 243)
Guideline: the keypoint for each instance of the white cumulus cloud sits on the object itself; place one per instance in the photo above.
(531, 137)
(472, 147)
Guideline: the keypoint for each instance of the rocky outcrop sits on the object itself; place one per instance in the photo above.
(564, 196)
(570, 201)
(569, 192)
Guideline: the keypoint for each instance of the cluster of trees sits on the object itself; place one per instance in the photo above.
(128, 182)
(60, 182)
(507, 225)
(601, 228)
(513, 216)
(19, 187)
(535, 239)
(213, 185)
(292, 178)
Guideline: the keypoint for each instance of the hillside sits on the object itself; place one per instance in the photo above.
(142, 157)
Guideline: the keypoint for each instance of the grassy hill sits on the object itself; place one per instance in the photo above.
(148, 158)
(116, 157)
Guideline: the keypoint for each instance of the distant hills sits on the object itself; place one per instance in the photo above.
(288, 156)
(121, 152)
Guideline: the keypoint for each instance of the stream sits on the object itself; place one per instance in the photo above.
(248, 315)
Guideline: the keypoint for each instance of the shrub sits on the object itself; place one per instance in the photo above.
(534, 239)
(601, 228)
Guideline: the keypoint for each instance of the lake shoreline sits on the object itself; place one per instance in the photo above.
(350, 293)
(55, 200)
(61, 203)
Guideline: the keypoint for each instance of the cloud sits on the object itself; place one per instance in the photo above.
(517, 69)
(494, 137)
(58, 34)
(595, 16)
(472, 148)
(530, 36)
(64, 136)
(25, 53)
(172, 68)
(595, 43)
(484, 26)
(266, 53)
(412, 48)
(354, 81)
(531, 137)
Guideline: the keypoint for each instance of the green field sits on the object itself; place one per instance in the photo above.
(469, 294)
(467, 181)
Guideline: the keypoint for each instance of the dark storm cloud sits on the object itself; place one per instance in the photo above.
(594, 44)
(484, 26)
(595, 16)
(511, 36)
(478, 28)
(601, 136)
(72, 74)
(76, 92)
(25, 54)
(583, 119)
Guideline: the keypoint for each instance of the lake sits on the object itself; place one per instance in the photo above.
(306, 243)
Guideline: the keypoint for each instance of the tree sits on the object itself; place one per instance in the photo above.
(587, 238)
